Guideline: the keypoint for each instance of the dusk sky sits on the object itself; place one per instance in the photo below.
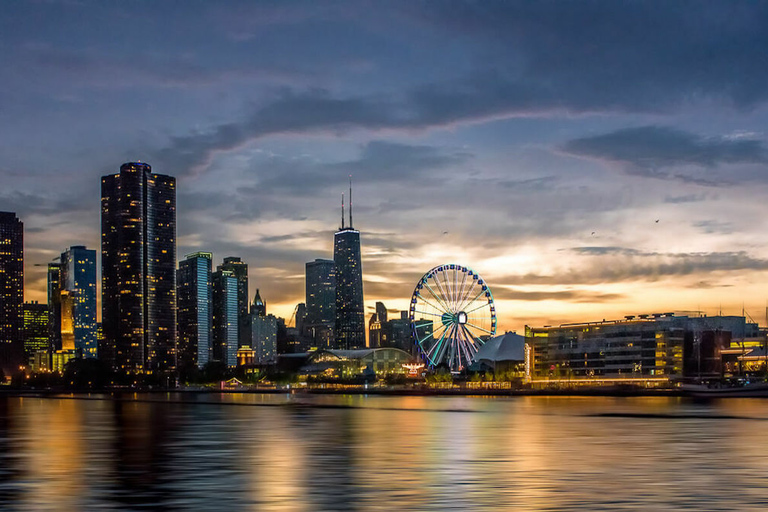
(589, 159)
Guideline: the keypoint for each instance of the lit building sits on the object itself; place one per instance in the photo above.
(54, 305)
(648, 349)
(77, 279)
(379, 332)
(320, 319)
(225, 317)
(374, 331)
(263, 332)
(35, 330)
(264, 338)
(350, 315)
(11, 292)
(240, 271)
(351, 364)
(194, 315)
(138, 258)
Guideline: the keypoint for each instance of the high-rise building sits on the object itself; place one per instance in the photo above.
(240, 270)
(350, 315)
(11, 292)
(263, 332)
(77, 282)
(225, 317)
(320, 319)
(54, 305)
(264, 338)
(194, 296)
(138, 258)
(374, 332)
(35, 330)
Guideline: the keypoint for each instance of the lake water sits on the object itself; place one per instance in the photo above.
(246, 452)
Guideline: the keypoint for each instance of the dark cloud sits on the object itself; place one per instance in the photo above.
(578, 296)
(617, 264)
(688, 198)
(619, 55)
(714, 226)
(656, 147)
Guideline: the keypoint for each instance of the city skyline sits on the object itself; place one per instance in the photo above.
(610, 161)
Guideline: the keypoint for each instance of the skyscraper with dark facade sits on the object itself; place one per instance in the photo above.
(78, 279)
(138, 258)
(11, 292)
(240, 271)
(54, 306)
(225, 317)
(193, 282)
(320, 320)
(350, 315)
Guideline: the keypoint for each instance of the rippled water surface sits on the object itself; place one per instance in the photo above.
(280, 452)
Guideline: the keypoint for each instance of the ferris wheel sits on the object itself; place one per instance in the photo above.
(452, 314)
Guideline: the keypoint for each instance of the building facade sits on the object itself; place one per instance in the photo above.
(77, 282)
(350, 315)
(138, 258)
(11, 292)
(54, 305)
(194, 313)
(320, 319)
(35, 331)
(240, 270)
(649, 349)
(225, 317)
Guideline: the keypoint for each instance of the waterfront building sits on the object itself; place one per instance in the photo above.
(360, 363)
(35, 330)
(77, 289)
(194, 312)
(240, 270)
(350, 315)
(54, 306)
(138, 259)
(647, 349)
(320, 285)
(11, 293)
(225, 317)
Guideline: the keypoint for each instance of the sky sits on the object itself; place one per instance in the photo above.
(589, 160)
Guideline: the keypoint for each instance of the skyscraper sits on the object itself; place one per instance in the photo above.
(240, 270)
(78, 279)
(138, 258)
(54, 306)
(320, 320)
(225, 317)
(350, 316)
(35, 330)
(194, 295)
(263, 332)
(11, 292)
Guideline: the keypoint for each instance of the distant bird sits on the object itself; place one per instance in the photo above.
(593, 233)
(657, 221)
(445, 232)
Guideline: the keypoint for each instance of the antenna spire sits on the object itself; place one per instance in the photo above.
(342, 210)
(350, 201)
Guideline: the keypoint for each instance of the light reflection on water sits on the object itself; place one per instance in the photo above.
(243, 452)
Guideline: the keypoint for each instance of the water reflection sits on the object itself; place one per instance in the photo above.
(248, 452)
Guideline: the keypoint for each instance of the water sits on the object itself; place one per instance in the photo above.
(246, 452)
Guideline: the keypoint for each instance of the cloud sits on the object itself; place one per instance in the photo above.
(577, 296)
(618, 264)
(648, 150)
